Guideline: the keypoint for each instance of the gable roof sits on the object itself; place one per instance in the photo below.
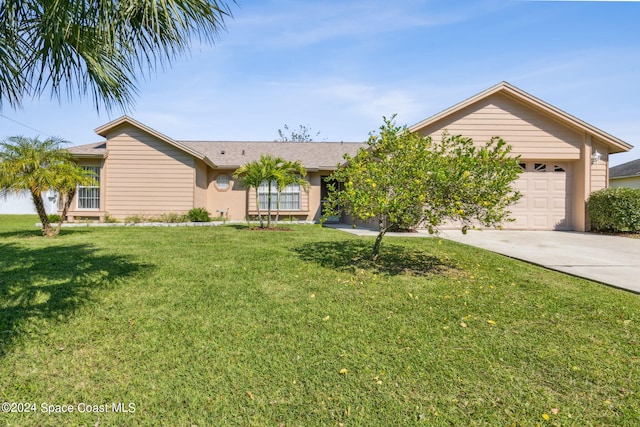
(124, 120)
(233, 154)
(625, 170)
(615, 145)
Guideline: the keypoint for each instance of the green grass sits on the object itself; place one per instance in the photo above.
(226, 326)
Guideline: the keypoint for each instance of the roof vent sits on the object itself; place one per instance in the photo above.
(222, 152)
(243, 152)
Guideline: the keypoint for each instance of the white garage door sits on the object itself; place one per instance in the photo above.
(546, 197)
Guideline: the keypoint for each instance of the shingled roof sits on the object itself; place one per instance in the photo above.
(233, 154)
(631, 168)
(313, 155)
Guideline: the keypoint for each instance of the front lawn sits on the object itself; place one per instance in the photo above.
(220, 326)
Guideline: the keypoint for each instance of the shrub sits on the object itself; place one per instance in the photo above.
(198, 215)
(172, 217)
(135, 219)
(109, 219)
(615, 210)
(53, 218)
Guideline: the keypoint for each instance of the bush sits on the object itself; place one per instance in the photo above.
(198, 215)
(615, 210)
(135, 219)
(53, 218)
(109, 219)
(172, 217)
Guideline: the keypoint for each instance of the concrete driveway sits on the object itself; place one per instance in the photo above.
(611, 260)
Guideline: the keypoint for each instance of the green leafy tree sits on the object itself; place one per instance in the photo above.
(304, 134)
(404, 180)
(37, 166)
(96, 47)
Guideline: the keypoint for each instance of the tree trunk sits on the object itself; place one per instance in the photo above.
(269, 206)
(376, 245)
(68, 198)
(258, 206)
(47, 229)
(278, 209)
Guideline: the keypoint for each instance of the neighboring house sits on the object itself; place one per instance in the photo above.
(21, 203)
(144, 172)
(625, 175)
(563, 159)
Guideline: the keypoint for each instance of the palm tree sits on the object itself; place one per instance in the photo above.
(271, 171)
(69, 178)
(96, 47)
(37, 166)
(251, 176)
(290, 173)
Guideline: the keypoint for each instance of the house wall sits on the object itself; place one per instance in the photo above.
(531, 134)
(600, 171)
(21, 203)
(231, 201)
(631, 182)
(201, 179)
(239, 202)
(304, 214)
(147, 176)
(94, 214)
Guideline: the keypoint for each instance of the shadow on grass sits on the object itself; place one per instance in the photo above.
(349, 255)
(37, 232)
(48, 284)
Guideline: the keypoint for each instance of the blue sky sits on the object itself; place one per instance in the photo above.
(338, 66)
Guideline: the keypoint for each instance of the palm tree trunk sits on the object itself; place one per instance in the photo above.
(47, 229)
(68, 198)
(278, 209)
(258, 206)
(269, 206)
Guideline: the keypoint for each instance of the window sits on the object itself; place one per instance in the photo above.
(557, 168)
(89, 196)
(222, 182)
(540, 167)
(289, 197)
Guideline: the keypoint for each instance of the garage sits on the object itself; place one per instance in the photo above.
(546, 191)
(563, 158)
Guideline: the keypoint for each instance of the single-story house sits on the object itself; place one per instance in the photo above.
(143, 172)
(625, 175)
(21, 203)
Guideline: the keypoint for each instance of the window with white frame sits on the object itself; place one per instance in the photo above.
(89, 195)
(289, 197)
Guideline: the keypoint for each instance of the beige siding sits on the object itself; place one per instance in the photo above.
(632, 182)
(200, 189)
(94, 214)
(147, 176)
(532, 134)
(304, 205)
(599, 172)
